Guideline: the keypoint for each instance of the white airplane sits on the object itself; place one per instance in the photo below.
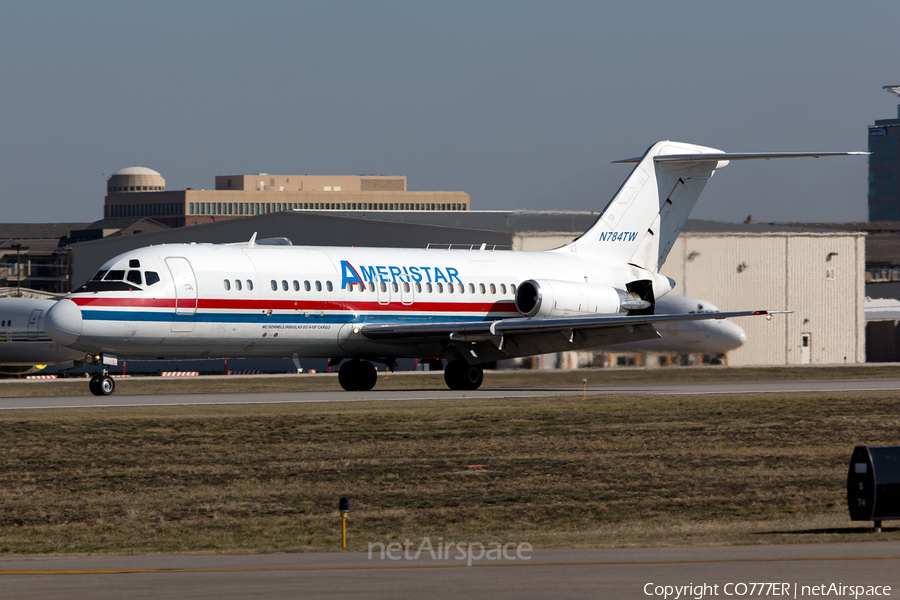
(710, 337)
(272, 299)
(24, 346)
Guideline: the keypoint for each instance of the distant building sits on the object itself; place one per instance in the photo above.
(141, 192)
(37, 257)
(884, 167)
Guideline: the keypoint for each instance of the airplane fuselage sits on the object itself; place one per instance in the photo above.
(23, 342)
(276, 301)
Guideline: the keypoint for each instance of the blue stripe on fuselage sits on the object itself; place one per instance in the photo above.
(161, 317)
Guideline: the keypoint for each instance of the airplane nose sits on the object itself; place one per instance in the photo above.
(63, 322)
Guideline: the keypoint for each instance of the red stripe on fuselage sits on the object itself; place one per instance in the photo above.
(492, 309)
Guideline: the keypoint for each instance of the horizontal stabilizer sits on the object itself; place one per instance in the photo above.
(717, 156)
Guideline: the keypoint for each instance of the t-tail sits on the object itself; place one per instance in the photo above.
(642, 221)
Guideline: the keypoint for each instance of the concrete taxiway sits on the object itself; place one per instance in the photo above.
(743, 387)
(624, 573)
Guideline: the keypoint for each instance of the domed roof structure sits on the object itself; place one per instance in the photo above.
(135, 179)
(136, 171)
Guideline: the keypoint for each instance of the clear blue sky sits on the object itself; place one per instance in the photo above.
(521, 104)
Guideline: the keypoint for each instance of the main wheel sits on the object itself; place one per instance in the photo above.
(357, 376)
(106, 385)
(94, 385)
(367, 376)
(473, 375)
(347, 375)
(460, 375)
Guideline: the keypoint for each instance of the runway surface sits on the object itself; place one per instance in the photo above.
(558, 574)
(750, 387)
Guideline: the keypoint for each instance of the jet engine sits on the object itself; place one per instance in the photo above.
(554, 298)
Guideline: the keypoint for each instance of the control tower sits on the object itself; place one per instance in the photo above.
(884, 166)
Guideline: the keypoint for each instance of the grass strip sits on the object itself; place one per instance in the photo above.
(609, 471)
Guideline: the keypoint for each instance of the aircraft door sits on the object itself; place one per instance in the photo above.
(33, 322)
(185, 284)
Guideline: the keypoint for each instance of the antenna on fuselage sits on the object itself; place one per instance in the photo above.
(252, 241)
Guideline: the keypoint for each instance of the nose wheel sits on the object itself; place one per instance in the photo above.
(102, 385)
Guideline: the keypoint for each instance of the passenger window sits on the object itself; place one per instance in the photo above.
(227, 285)
(406, 287)
(383, 286)
(493, 289)
(237, 284)
(472, 288)
(134, 277)
(428, 287)
(419, 288)
(318, 286)
(440, 288)
(306, 286)
(250, 285)
(274, 285)
(114, 276)
(512, 289)
(395, 286)
(151, 277)
(461, 288)
(284, 285)
(481, 288)
(449, 287)
(503, 288)
(296, 286)
(371, 286)
(328, 286)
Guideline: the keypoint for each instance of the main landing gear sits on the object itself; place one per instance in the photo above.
(357, 376)
(460, 375)
(100, 385)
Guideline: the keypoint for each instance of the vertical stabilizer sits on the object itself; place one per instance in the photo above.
(642, 221)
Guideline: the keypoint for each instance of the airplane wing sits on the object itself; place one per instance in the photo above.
(485, 341)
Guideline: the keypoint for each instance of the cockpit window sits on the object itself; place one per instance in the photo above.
(98, 276)
(134, 263)
(134, 277)
(114, 276)
(151, 277)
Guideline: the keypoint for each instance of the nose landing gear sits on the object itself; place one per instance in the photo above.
(101, 385)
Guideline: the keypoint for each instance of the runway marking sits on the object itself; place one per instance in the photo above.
(452, 566)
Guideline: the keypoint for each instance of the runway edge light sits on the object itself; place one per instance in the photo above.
(344, 508)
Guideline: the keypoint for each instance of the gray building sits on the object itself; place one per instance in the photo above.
(884, 167)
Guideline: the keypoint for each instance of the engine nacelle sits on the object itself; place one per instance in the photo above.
(554, 298)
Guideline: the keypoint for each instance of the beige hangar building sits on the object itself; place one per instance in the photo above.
(819, 275)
